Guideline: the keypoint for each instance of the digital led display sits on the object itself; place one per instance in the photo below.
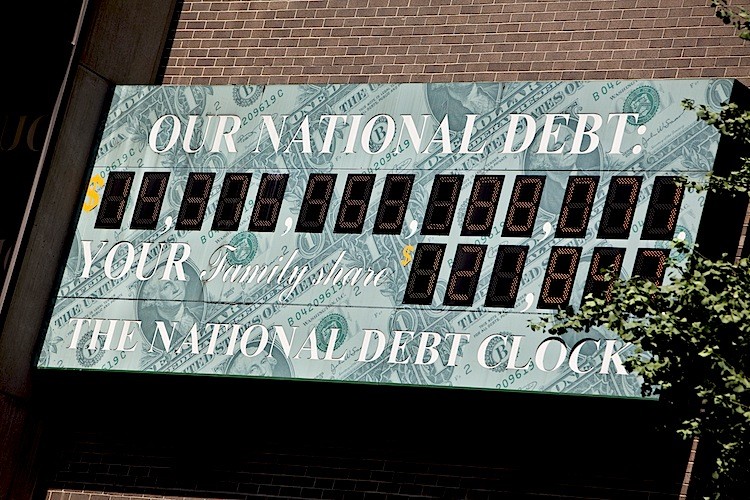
(377, 233)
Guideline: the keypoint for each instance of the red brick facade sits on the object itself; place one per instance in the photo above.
(299, 41)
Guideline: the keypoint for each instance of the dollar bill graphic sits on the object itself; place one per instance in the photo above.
(310, 324)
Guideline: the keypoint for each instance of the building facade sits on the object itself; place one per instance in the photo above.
(74, 434)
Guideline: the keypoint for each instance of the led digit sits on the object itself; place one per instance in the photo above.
(424, 273)
(193, 207)
(312, 215)
(606, 263)
(617, 216)
(393, 202)
(663, 208)
(464, 277)
(524, 204)
(650, 263)
(559, 278)
(231, 202)
(480, 214)
(114, 200)
(150, 199)
(268, 202)
(438, 217)
(506, 276)
(354, 203)
(576, 207)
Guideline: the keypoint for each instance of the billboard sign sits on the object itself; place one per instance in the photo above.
(376, 233)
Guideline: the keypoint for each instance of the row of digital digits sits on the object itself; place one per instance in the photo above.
(507, 272)
(574, 212)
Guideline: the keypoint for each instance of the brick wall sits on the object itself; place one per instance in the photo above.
(117, 436)
(106, 495)
(94, 472)
(298, 41)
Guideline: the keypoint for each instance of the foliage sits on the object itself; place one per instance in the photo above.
(737, 17)
(692, 347)
(734, 122)
(692, 333)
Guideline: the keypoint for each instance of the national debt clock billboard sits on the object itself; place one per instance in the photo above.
(377, 233)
